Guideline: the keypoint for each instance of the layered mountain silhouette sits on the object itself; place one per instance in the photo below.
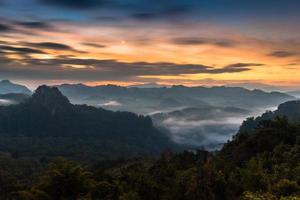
(48, 119)
(146, 100)
(197, 116)
(8, 87)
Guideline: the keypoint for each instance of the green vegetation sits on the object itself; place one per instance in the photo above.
(48, 125)
(262, 162)
(263, 165)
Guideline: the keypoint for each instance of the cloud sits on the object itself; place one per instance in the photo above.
(50, 45)
(204, 131)
(110, 104)
(5, 28)
(34, 24)
(138, 10)
(75, 4)
(169, 12)
(237, 67)
(69, 68)
(189, 41)
(203, 41)
(5, 102)
(95, 45)
(281, 54)
(242, 65)
(20, 50)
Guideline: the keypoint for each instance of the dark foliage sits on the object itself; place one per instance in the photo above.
(260, 164)
(48, 125)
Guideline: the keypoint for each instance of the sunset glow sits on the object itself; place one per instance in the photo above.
(128, 45)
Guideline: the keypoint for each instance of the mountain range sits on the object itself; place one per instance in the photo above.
(193, 116)
(197, 116)
(147, 100)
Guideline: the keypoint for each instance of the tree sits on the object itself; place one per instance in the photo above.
(65, 180)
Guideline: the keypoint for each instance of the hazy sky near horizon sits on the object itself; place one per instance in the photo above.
(191, 42)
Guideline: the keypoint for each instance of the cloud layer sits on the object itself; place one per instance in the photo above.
(172, 42)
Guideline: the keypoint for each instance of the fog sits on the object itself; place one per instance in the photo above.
(206, 131)
(110, 103)
(5, 102)
(209, 134)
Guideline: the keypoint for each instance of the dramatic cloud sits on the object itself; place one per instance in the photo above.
(20, 50)
(69, 68)
(282, 54)
(139, 40)
(50, 45)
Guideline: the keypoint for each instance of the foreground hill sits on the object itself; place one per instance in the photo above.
(48, 121)
(263, 164)
(290, 109)
(264, 133)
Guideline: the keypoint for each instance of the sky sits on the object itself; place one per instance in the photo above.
(129, 42)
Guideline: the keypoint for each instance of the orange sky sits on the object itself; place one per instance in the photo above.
(270, 58)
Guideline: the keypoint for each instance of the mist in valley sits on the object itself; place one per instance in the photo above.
(204, 130)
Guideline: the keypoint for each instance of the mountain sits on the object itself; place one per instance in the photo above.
(295, 93)
(49, 121)
(263, 133)
(290, 110)
(209, 116)
(148, 85)
(8, 87)
(265, 137)
(261, 165)
(253, 86)
(147, 100)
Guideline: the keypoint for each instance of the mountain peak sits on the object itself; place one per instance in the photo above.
(50, 97)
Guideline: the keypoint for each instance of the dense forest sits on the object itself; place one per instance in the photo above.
(48, 125)
(51, 149)
(259, 163)
(262, 165)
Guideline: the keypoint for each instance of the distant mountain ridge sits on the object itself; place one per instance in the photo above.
(7, 86)
(148, 85)
(143, 100)
(197, 116)
(295, 93)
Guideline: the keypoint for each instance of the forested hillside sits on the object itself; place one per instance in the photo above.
(263, 164)
(48, 125)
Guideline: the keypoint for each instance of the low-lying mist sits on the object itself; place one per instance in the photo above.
(208, 129)
(5, 102)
